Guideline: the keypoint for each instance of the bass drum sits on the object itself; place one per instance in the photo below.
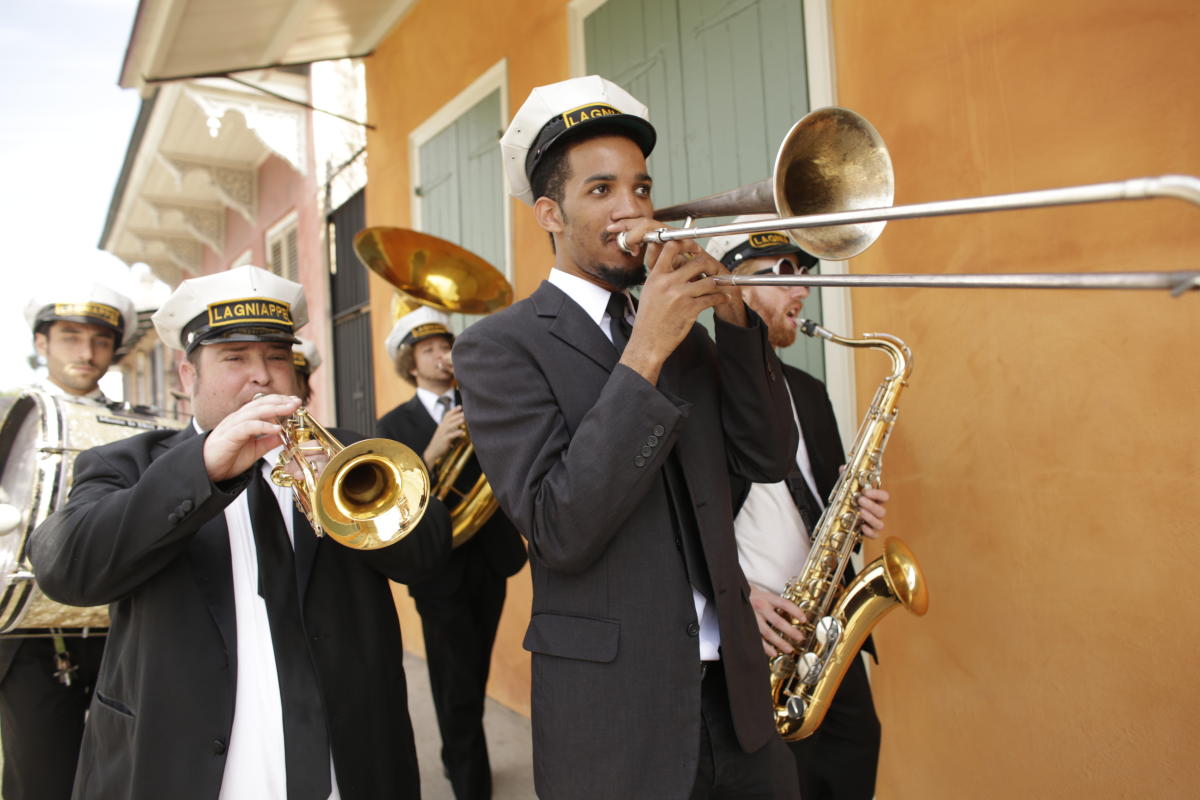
(39, 438)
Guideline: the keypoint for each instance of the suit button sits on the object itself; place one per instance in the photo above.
(652, 440)
(659, 430)
(638, 460)
(646, 451)
(678, 543)
(173, 518)
(693, 629)
(186, 506)
(219, 746)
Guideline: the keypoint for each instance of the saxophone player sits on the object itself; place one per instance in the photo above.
(774, 523)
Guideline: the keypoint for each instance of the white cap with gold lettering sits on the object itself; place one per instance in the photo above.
(246, 304)
(555, 113)
(91, 305)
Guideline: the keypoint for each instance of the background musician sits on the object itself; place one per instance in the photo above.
(46, 682)
(775, 521)
(460, 603)
(607, 431)
(306, 358)
(246, 658)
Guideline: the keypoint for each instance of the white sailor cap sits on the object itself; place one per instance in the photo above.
(93, 305)
(732, 250)
(417, 325)
(556, 113)
(305, 356)
(246, 304)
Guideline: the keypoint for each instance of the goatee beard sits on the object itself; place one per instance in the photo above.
(618, 278)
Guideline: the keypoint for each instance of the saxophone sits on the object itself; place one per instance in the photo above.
(839, 619)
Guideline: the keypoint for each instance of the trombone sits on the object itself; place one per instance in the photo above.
(832, 188)
(426, 270)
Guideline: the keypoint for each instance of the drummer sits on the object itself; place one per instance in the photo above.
(46, 683)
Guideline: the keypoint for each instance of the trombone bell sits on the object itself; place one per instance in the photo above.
(831, 160)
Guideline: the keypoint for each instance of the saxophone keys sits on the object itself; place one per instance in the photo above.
(829, 630)
(808, 670)
(783, 665)
(796, 707)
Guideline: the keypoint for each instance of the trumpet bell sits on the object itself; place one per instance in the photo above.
(432, 271)
(372, 494)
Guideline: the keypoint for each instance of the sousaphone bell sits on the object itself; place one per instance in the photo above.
(428, 271)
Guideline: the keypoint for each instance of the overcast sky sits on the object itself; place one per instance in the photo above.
(65, 127)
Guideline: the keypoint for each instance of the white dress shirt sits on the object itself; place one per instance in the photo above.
(772, 540)
(430, 401)
(593, 300)
(255, 764)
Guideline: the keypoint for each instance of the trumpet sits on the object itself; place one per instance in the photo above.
(366, 496)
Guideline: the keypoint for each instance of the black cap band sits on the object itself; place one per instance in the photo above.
(770, 243)
(252, 319)
(563, 127)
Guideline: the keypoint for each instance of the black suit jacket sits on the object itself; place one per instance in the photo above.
(144, 530)
(575, 446)
(497, 543)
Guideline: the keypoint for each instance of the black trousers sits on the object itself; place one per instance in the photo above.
(41, 720)
(460, 630)
(725, 772)
(839, 761)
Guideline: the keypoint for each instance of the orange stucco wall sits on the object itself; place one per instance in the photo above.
(1042, 468)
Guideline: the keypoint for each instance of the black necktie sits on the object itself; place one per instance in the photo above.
(305, 740)
(618, 325)
(806, 502)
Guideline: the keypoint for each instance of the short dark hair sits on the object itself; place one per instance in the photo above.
(552, 172)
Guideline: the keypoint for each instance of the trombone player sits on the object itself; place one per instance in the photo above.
(246, 657)
(460, 603)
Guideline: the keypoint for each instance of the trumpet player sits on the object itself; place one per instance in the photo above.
(246, 657)
(774, 523)
(460, 603)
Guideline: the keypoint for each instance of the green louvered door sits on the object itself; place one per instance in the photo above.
(724, 81)
(461, 187)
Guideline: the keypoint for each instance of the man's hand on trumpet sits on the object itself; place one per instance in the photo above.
(246, 435)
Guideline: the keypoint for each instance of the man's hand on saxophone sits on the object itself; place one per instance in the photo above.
(871, 511)
(775, 614)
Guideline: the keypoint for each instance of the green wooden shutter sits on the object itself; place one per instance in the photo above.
(724, 81)
(462, 188)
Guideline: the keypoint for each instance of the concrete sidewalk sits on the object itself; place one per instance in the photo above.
(509, 743)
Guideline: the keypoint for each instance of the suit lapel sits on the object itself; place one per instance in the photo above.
(211, 562)
(571, 325)
(418, 417)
